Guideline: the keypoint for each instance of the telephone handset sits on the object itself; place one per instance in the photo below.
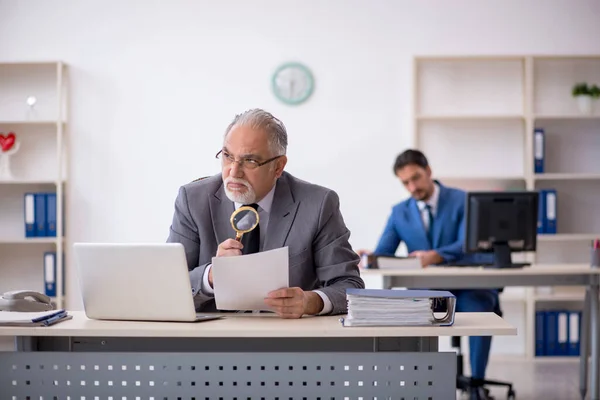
(25, 301)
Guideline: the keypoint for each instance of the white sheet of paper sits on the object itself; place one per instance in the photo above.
(243, 282)
(19, 316)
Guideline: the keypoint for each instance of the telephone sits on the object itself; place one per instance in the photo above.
(25, 301)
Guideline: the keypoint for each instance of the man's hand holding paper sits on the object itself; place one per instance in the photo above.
(246, 282)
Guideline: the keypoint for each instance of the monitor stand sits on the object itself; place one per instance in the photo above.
(503, 257)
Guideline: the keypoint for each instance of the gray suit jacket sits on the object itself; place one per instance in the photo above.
(305, 217)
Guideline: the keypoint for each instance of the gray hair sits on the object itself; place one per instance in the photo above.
(260, 119)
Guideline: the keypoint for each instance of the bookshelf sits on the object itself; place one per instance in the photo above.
(33, 106)
(474, 117)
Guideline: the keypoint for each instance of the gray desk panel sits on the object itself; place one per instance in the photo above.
(172, 376)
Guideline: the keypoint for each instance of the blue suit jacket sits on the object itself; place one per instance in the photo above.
(406, 225)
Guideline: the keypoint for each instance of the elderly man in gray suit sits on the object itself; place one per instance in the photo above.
(294, 213)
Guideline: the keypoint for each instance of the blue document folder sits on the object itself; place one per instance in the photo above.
(541, 222)
(40, 214)
(539, 150)
(551, 211)
(29, 213)
(381, 307)
(51, 214)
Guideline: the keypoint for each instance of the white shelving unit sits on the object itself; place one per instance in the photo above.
(40, 165)
(474, 118)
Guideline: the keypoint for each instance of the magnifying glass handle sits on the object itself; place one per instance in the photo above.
(238, 236)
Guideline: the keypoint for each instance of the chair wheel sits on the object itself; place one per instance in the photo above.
(512, 395)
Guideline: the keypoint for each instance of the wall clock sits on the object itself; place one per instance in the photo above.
(293, 83)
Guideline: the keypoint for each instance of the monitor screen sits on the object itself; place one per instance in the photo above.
(501, 222)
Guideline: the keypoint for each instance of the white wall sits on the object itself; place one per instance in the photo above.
(154, 84)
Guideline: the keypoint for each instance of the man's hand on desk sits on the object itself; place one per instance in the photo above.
(427, 257)
(294, 302)
(229, 247)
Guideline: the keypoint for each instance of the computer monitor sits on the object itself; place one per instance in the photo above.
(501, 223)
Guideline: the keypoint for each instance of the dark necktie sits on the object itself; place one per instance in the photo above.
(251, 240)
(430, 225)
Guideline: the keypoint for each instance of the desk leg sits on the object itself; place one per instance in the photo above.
(26, 343)
(594, 340)
(387, 282)
(584, 348)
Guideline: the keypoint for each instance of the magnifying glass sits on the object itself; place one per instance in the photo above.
(244, 220)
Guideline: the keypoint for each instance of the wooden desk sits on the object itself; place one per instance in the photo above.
(535, 275)
(241, 355)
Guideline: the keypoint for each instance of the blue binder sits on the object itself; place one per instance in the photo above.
(50, 276)
(436, 297)
(574, 333)
(551, 333)
(50, 273)
(551, 211)
(563, 333)
(541, 222)
(29, 215)
(40, 214)
(51, 214)
(540, 330)
(539, 144)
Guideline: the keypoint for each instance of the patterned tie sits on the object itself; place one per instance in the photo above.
(430, 224)
(251, 240)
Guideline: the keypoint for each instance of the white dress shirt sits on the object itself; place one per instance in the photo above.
(433, 204)
(264, 210)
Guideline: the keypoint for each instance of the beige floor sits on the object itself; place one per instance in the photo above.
(532, 380)
(536, 380)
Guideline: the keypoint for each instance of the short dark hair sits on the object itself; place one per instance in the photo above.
(410, 157)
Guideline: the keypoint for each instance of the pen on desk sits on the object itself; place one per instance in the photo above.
(44, 317)
(54, 319)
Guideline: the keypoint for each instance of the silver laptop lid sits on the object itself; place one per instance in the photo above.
(134, 281)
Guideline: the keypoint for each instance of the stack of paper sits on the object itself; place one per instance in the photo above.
(373, 307)
(43, 318)
(383, 262)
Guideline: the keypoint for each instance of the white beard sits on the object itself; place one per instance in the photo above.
(247, 197)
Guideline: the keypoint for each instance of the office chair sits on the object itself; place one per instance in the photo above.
(468, 384)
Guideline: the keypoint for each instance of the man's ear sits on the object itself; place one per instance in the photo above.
(280, 165)
(428, 170)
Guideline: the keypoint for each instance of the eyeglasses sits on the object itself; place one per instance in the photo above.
(247, 163)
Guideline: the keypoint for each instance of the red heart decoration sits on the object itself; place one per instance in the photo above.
(7, 142)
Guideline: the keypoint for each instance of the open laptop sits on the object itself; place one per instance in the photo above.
(141, 282)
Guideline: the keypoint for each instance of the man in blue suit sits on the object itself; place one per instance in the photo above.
(431, 224)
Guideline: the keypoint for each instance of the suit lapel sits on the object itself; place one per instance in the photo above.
(220, 211)
(415, 215)
(283, 213)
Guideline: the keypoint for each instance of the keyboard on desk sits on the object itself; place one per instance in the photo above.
(487, 265)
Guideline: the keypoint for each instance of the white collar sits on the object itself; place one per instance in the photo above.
(266, 201)
(433, 200)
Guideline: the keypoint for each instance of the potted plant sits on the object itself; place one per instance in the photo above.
(595, 94)
(582, 93)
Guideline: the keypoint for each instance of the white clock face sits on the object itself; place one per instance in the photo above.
(293, 83)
